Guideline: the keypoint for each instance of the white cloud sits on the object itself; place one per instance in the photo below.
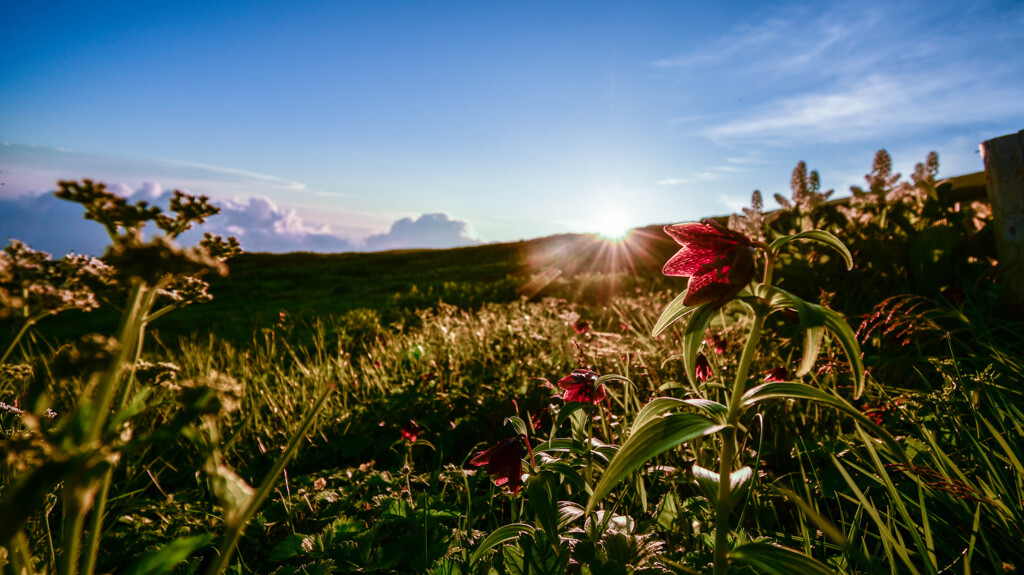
(249, 202)
(858, 72)
(427, 231)
(58, 227)
(838, 114)
(740, 40)
(243, 175)
(879, 106)
(671, 182)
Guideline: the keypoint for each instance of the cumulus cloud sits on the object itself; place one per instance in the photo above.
(58, 227)
(261, 226)
(427, 231)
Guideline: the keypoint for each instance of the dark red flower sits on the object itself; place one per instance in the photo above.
(579, 386)
(581, 327)
(504, 463)
(704, 371)
(778, 374)
(410, 431)
(541, 419)
(875, 412)
(718, 261)
(717, 343)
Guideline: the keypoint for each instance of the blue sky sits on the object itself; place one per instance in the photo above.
(321, 124)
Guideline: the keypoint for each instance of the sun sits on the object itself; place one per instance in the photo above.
(612, 226)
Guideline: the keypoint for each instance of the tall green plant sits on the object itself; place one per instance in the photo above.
(720, 263)
(79, 451)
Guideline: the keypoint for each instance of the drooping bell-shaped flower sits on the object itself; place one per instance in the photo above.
(703, 369)
(579, 386)
(777, 374)
(718, 261)
(410, 431)
(504, 463)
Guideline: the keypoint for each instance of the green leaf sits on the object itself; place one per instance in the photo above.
(790, 390)
(812, 344)
(651, 440)
(540, 494)
(611, 376)
(568, 472)
(694, 336)
(708, 481)
(234, 493)
(812, 318)
(778, 560)
(567, 410)
(518, 424)
(668, 512)
(568, 511)
(501, 535)
(169, 556)
(818, 236)
(660, 405)
(838, 326)
(294, 545)
(673, 312)
(536, 554)
(560, 444)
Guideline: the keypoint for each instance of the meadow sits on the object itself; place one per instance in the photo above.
(552, 406)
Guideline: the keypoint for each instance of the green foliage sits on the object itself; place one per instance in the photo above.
(906, 460)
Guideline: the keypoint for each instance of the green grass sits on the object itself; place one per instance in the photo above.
(395, 284)
(467, 344)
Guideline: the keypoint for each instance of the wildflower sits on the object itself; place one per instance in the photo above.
(504, 463)
(718, 261)
(410, 431)
(541, 419)
(875, 412)
(778, 374)
(581, 327)
(717, 343)
(579, 386)
(704, 371)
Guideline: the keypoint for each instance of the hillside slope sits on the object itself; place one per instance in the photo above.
(262, 289)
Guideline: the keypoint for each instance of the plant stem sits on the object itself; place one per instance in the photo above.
(17, 337)
(132, 320)
(722, 507)
(73, 523)
(729, 448)
(96, 523)
(100, 508)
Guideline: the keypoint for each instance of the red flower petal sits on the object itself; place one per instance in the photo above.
(504, 463)
(579, 386)
(718, 261)
(703, 369)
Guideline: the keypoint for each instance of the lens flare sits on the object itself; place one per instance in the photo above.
(612, 226)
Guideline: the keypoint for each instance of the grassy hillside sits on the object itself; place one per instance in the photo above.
(305, 286)
(380, 412)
